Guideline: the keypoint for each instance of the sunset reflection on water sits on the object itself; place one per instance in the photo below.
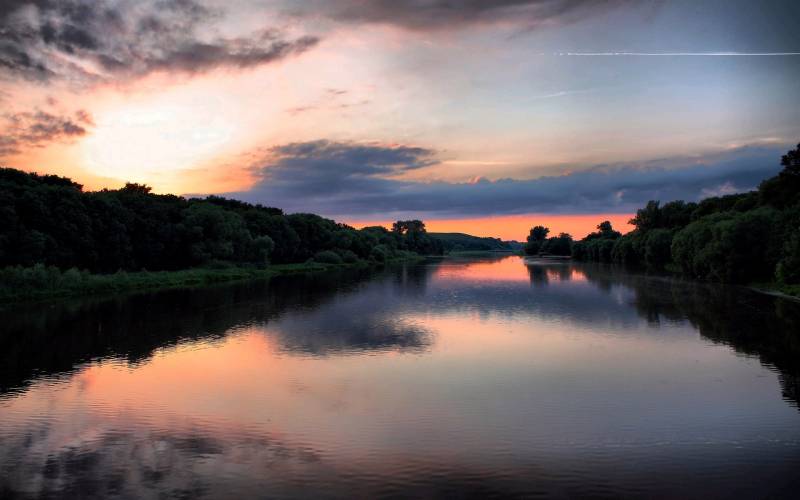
(497, 375)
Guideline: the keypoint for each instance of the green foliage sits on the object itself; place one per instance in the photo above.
(39, 281)
(597, 246)
(737, 238)
(380, 253)
(730, 246)
(348, 256)
(783, 190)
(49, 220)
(216, 234)
(648, 217)
(328, 257)
(460, 242)
(657, 248)
(557, 245)
(413, 237)
(536, 239)
(629, 248)
(788, 269)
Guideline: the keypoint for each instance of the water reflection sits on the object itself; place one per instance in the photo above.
(45, 340)
(490, 377)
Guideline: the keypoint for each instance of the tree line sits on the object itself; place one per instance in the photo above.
(737, 238)
(51, 220)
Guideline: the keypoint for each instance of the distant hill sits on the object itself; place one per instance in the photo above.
(460, 242)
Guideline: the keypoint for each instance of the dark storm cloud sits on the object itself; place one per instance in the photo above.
(324, 168)
(98, 39)
(349, 180)
(39, 128)
(449, 14)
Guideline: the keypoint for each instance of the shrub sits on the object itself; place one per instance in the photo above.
(348, 256)
(788, 269)
(657, 248)
(736, 247)
(379, 253)
(327, 257)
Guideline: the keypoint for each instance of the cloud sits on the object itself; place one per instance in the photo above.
(335, 160)
(330, 100)
(352, 180)
(39, 128)
(90, 40)
(431, 15)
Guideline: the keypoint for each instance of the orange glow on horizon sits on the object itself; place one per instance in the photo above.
(516, 227)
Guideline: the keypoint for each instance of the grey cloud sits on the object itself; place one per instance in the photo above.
(347, 180)
(87, 40)
(39, 128)
(448, 14)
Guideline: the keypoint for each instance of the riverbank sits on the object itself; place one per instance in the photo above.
(18, 284)
(790, 292)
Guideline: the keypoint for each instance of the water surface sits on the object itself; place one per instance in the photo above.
(470, 377)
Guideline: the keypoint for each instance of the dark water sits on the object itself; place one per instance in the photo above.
(491, 377)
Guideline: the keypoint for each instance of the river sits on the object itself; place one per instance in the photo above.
(457, 377)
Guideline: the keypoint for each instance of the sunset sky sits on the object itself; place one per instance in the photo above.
(477, 116)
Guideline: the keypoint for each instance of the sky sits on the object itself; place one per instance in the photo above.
(477, 116)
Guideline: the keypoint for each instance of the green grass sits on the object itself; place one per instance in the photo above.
(778, 289)
(793, 290)
(46, 282)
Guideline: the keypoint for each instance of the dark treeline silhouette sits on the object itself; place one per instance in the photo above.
(539, 244)
(460, 242)
(738, 238)
(50, 220)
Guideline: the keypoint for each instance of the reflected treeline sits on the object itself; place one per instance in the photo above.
(751, 323)
(541, 272)
(352, 311)
(50, 339)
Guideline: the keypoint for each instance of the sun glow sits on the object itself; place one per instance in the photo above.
(139, 143)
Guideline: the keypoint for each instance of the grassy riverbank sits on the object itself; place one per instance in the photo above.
(786, 291)
(41, 282)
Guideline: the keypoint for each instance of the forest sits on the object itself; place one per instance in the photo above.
(460, 242)
(51, 221)
(751, 237)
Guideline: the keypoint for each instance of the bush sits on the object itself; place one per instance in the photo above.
(788, 269)
(735, 247)
(627, 249)
(657, 248)
(348, 256)
(379, 253)
(327, 257)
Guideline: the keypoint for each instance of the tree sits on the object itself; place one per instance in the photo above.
(604, 231)
(414, 237)
(788, 269)
(783, 190)
(648, 217)
(50, 220)
(404, 227)
(657, 246)
(558, 245)
(536, 239)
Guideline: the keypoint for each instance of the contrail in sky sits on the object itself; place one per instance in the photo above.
(677, 54)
